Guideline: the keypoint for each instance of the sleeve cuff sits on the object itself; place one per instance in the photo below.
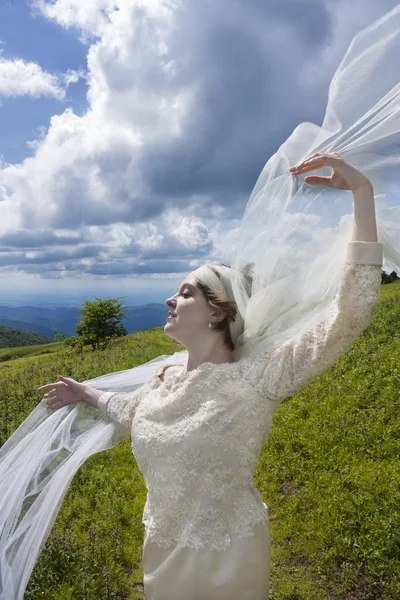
(103, 402)
(364, 253)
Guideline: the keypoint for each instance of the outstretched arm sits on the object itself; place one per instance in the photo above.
(120, 406)
(117, 406)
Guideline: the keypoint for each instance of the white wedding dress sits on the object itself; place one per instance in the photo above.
(197, 439)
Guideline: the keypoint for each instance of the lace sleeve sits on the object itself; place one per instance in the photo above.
(119, 407)
(297, 363)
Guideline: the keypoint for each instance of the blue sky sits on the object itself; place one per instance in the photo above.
(132, 133)
(56, 50)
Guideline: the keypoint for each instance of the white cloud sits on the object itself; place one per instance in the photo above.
(186, 102)
(21, 78)
(90, 16)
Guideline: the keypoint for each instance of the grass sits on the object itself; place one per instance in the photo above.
(94, 550)
(24, 351)
(330, 474)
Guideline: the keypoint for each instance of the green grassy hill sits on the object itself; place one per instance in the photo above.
(10, 338)
(330, 474)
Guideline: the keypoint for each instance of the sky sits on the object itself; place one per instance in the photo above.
(133, 131)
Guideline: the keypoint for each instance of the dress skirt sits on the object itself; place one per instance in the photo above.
(241, 572)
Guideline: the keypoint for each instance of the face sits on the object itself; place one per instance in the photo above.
(191, 311)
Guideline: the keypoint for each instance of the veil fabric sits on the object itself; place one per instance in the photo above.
(38, 462)
(295, 234)
(292, 234)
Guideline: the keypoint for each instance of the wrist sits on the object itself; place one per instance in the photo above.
(91, 395)
(83, 393)
(364, 228)
(365, 187)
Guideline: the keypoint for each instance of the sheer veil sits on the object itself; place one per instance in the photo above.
(294, 237)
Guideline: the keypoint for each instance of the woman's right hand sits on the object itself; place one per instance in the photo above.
(64, 392)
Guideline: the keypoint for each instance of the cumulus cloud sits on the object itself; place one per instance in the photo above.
(89, 17)
(172, 244)
(22, 78)
(186, 102)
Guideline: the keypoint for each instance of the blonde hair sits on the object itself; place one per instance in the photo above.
(218, 293)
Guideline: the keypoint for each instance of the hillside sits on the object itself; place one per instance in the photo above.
(329, 473)
(44, 320)
(11, 338)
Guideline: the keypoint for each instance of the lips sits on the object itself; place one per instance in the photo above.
(170, 314)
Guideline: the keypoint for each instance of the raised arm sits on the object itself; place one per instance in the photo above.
(298, 362)
(288, 369)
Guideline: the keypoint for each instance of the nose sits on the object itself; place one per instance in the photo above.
(169, 302)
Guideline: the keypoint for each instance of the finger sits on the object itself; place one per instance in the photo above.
(310, 166)
(52, 385)
(324, 159)
(327, 159)
(301, 163)
(326, 155)
(55, 404)
(314, 180)
(48, 386)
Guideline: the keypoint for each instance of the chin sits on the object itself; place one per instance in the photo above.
(166, 330)
(170, 333)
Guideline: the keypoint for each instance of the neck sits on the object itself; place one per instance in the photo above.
(210, 351)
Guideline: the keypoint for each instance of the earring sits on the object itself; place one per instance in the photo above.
(210, 325)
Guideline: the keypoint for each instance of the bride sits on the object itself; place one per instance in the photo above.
(197, 429)
(303, 283)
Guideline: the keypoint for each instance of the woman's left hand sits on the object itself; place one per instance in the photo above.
(343, 177)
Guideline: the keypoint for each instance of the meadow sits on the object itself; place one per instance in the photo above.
(329, 473)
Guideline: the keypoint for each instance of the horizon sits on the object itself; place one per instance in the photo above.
(93, 194)
(75, 299)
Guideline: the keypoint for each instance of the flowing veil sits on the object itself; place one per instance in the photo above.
(38, 462)
(294, 236)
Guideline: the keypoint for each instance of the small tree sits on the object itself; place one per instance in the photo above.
(101, 322)
(58, 336)
(389, 278)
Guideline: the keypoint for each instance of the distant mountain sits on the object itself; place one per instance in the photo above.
(65, 319)
(31, 327)
(12, 338)
(145, 317)
(40, 320)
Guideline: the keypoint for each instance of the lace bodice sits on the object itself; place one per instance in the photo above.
(197, 436)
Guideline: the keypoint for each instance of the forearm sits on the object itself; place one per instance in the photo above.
(119, 407)
(297, 363)
(91, 396)
(364, 228)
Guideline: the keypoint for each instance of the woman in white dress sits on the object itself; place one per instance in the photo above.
(197, 429)
(252, 339)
